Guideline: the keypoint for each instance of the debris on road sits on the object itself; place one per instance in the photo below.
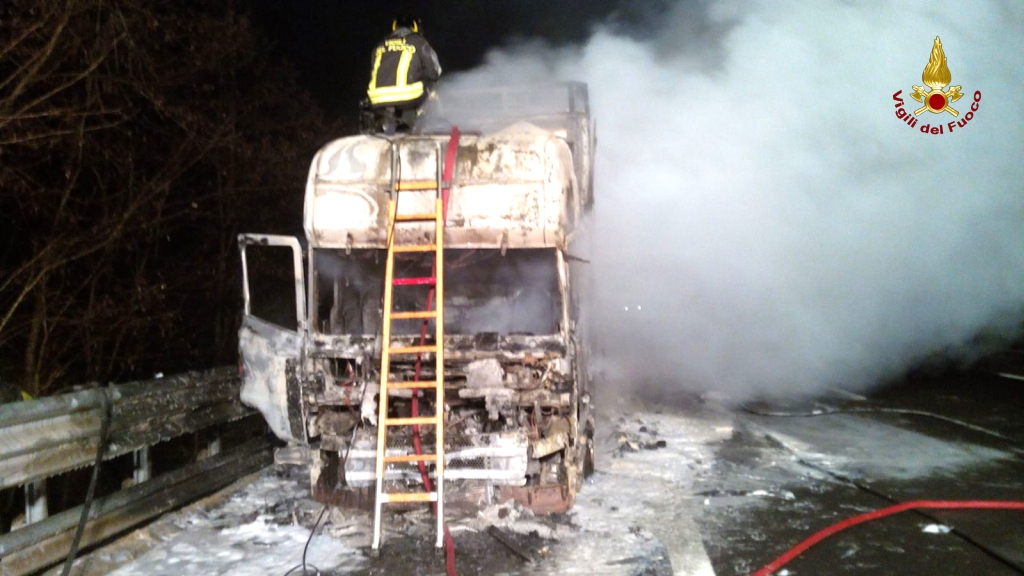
(643, 438)
(506, 541)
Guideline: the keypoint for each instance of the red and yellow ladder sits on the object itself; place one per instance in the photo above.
(442, 186)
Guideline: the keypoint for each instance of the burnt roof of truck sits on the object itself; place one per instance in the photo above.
(550, 106)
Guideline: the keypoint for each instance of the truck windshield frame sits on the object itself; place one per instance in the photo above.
(520, 292)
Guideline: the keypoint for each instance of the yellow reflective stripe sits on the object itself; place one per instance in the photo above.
(376, 66)
(395, 93)
(404, 61)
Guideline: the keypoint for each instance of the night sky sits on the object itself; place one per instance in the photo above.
(329, 41)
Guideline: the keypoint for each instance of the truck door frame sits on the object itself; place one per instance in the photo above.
(300, 282)
(273, 357)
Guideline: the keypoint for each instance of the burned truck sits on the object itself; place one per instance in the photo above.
(518, 413)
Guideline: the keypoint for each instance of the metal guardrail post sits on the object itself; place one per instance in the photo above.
(143, 470)
(36, 503)
(32, 548)
(213, 444)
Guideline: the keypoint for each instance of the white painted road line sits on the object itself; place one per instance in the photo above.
(847, 394)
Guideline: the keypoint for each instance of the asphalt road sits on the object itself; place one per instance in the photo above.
(820, 468)
(685, 486)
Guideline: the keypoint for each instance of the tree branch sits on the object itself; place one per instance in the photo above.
(74, 80)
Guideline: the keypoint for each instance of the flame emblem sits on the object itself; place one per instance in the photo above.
(936, 75)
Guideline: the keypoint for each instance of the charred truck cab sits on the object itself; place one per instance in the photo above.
(518, 418)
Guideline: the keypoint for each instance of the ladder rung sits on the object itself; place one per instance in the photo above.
(417, 185)
(412, 349)
(412, 458)
(417, 421)
(402, 497)
(412, 384)
(417, 281)
(415, 217)
(418, 314)
(415, 248)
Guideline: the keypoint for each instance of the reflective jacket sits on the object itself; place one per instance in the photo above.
(402, 63)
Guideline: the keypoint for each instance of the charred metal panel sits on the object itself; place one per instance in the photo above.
(513, 189)
(458, 347)
(493, 345)
(269, 384)
(551, 499)
(499, 458)
(296, 417)
(563, 108)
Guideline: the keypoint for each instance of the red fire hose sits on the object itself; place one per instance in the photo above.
(449, 170)
(840, 526)
(449, 544)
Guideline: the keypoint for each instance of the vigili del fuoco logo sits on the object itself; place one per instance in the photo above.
(937, 101)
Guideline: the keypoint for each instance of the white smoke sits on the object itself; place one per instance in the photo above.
(779, 227)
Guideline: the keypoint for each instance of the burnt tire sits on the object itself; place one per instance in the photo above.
(588, 455)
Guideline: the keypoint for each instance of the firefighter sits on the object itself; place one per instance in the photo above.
(404, 70)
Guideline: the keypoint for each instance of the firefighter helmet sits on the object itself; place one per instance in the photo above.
(406, 21)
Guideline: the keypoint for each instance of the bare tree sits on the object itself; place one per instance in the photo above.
(136, 137)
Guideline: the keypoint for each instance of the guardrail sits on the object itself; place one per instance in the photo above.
(42, 438)
(36, 546)
(45, 437)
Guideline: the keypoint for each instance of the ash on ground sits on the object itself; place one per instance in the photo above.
(633, 517)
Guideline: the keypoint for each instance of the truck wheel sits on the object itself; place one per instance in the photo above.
(588, 453)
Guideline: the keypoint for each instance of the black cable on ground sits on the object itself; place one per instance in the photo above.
(303, 566)
(100, 449)
(323, 509)
(868, 490)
